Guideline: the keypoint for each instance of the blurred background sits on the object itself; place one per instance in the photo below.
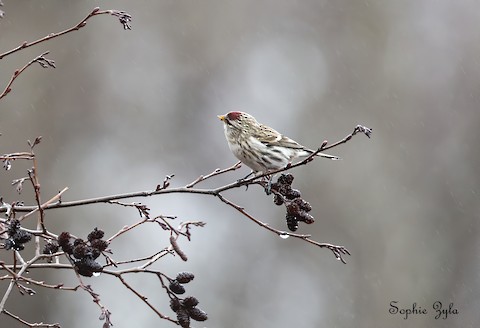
(125, 108)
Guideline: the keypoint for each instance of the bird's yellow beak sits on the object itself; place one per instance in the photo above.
(221, 117)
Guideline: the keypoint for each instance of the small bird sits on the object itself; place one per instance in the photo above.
(260, 147)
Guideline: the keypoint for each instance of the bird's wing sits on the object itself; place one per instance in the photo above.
(271, 137)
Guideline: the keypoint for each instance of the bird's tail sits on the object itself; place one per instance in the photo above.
(335, 158)
(309, 152)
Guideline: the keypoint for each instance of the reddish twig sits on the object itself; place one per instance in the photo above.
(23, 269)
(28, 324)
(143, 298)
(14, 156)
(214, 173)
(127, 228)
(123, 17)
(338, 251)
(44, 62)
(55, 199)
(148, 259)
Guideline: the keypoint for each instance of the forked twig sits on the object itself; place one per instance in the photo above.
(44, 62)
(123, 17)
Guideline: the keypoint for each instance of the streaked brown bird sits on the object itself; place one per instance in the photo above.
(260, 147)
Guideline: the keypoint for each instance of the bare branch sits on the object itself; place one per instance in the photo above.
(214, 173)
(44, 62)
(141, 297)
(14, 156)
(123, 17)
(28, 324)
(22, 270)
(55, 199)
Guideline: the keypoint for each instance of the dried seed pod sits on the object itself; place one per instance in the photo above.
(11, 244)
(292, 222)
(50, 248)
(293, 193)
(99, 244)
(81, 251)
(176, 288)
(65, 243)
(278, 199)
(86, 267)
(13, 227)
(190, 302)
(197, 314)
(95, 253)
(285, 179)
(183, 318)
(306, 206)
(78, 241)
(184, 277)
(302, 204)
(293, 209)
(95, 234)
(175, 304)
(22, 237)
(305, 217)
(16, 236)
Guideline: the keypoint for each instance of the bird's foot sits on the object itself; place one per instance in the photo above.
(245, 177)
(268, 187)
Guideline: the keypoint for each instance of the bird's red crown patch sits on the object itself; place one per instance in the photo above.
(233, 116)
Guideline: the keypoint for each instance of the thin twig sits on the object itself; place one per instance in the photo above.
(144, 299)
(39, 59)
(95, 12)
(149, 258)
(44, 206)
(260, 223)
(13, 156)
(24, 267)
(358, 129)
(33, 175)
(127, 228)
(214, 173)
(28, 324)
(15, 276)
(105, 313)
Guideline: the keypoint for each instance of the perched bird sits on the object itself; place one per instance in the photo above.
(260, 147)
